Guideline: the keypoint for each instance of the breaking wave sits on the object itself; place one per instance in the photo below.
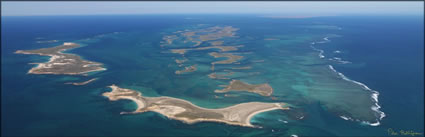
(374, 94)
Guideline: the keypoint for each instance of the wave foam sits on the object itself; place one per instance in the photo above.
(326, 38)
(320, 52)
(339, 60)
(374, 96)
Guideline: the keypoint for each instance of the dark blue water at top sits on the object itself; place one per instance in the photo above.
(386, 51)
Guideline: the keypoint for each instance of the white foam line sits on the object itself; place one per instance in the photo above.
(320, 52)
(339, 60)
(344, 62)
(374, 96)
(326, 38)
(345, 118)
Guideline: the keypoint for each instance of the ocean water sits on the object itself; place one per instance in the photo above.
(385, 53)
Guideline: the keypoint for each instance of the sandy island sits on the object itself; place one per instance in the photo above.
(187, 69)
(237, 85)
(62, 63)
(187, 112)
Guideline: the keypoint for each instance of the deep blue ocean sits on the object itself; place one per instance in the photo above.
(387, 54)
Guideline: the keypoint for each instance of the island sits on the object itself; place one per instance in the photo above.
(221, 48)
(237, 85)
(81, 83)
(181, 61)
(62, 63)
(201, 35)
(187, 69)
(220, 76)
(213, 37)
(230, 58)
(169, 40)
(189, 113)
(246, 67)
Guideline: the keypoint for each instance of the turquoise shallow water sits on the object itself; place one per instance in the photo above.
(129, 48)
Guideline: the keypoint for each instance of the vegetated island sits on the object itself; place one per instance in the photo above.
(237, 85)
(187, 112)
(198, 36)
(221, 48)
(210, 35)
(82, 83)
(213, 33)
(230, 58)
(62, 63)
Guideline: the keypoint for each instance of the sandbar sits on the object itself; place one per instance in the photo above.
(82, 83)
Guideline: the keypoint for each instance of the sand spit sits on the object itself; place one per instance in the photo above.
(189, 113)
(237, 85)
(82, 83)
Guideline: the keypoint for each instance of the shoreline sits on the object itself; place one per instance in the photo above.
(187, 112)
(236, 85)
(62, 63)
